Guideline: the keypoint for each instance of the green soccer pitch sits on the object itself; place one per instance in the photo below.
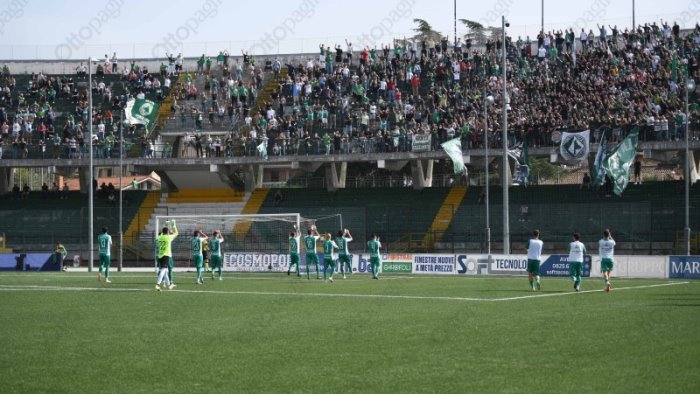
(67, 332)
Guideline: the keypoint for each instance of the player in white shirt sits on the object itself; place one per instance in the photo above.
(576, 251)
(534, 255)
(606, 249)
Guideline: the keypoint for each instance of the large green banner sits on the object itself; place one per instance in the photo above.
(617, 164)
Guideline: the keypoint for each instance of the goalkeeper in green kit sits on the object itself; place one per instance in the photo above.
(215, 252)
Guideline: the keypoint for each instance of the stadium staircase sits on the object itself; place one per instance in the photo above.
(194, 202)
(444, 216)
(137, 226)
(252, 206)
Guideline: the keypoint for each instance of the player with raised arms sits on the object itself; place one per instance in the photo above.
(606, 249)
(215, 251)
(373, 245)
(104, 246)
(197, 258)
(344, 254)
(576, 252)
(205, 255)
(534, 255)
(294, 244)
(164, 243)
(311, 257)
(329, 257)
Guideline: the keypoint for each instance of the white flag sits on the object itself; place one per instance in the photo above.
(453, 148)
(262, 148)
(575, 146)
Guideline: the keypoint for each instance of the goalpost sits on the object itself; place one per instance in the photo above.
(254, 234)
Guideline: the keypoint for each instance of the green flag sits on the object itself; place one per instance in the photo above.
(453, 148)
(139, 111)
(617, 164)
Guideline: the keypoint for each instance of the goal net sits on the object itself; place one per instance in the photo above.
(253, 234)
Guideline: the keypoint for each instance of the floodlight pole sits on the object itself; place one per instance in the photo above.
(486, 172)
(455, 21)
(121, 192)
(90, 181)
(506, 225)
(689, 84)
(542, 10)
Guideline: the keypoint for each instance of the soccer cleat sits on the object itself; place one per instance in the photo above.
(107, 280)
(330, 280)
(157, 288)
(576, 285)
(607, 287)
(221, 278)
(171, 287)
(288, 273)
(344, 277)
(539, 287)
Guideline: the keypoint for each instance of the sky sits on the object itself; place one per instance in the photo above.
(77, 29)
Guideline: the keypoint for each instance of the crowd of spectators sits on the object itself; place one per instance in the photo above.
(378, 99)
(347, 99)
(49, 115)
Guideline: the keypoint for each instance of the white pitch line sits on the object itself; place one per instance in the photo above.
(587, 291)
(271, 293)
(344, 295)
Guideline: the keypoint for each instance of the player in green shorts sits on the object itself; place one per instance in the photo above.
(576, 252)
(311, 256)
(344, 254)
(164, 253)
(197, 258)
(329, 248)
(294, 244)
(606, 249)
(373, 245)
(215, 251)
(104, 246)
(534, 255)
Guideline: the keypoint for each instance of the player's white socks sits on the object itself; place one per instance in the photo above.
(163, 275)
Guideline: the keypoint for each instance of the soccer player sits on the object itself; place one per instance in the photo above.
(164, 243)
(197, 258)
(215, 249)
(205, 255)
(294, 238)
(576, 251)
(606, 249)
(374, 244)
(329, 248)
(534, 255)
(344, 256)
(59, 254)
(311, 256)
(104, 244)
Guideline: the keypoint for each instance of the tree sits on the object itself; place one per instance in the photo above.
(475, 31)
(425, 30)
(541, 170)
(479, 33)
